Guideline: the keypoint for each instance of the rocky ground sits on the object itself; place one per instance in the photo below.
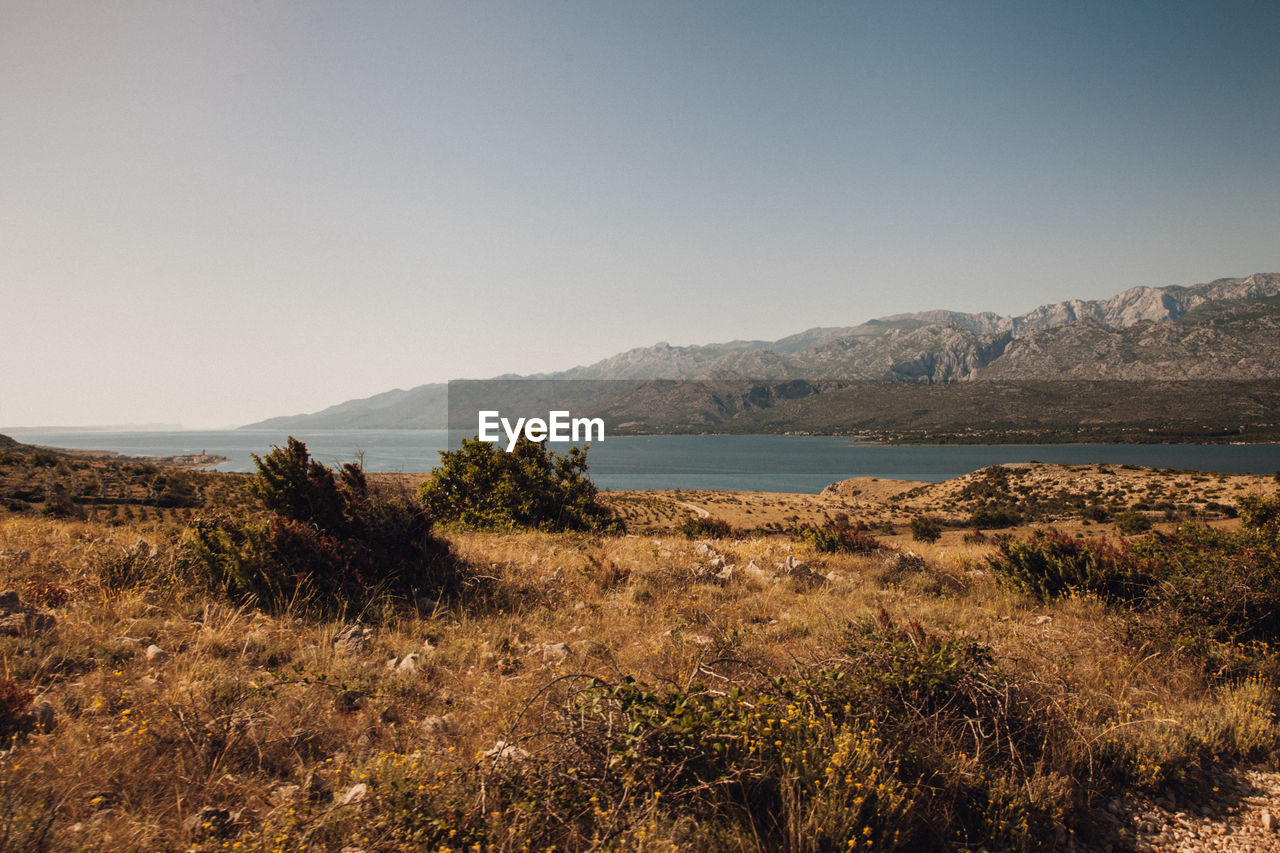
(1241, 814)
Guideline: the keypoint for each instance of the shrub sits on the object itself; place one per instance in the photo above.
(1131, 522)
(925, 528)
(1258, 513)
(857, 752)
(992, 519)
(1051, 564)
(705, 528)
(484, 487)
(329, 542)
(14, 701)
(831, 539)
(1215, 585)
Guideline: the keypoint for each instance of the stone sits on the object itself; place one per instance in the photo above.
(17, 617)
(155, 654)
(286, 794)
(555, 653)
(354, 795)
(503, 751)
(348, 701)
(408, 664)
(351, 640)
(1269, 821)
(436, 726)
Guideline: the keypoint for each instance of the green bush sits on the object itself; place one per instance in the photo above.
(705, 528)
(833, 539)
(992, 519)
(1131, 522)
(484, 487)
(1216, 585)
(1258, 513)
(1051, 564)
(1199, 585)
(329, 542)
(925, 528)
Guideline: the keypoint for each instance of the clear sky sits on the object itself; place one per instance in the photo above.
(216, 212)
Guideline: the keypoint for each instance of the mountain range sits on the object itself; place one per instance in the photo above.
(1227, 330)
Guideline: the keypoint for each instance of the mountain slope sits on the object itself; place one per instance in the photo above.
(1225, 329)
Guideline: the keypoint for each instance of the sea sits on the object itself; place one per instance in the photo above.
(768, 463)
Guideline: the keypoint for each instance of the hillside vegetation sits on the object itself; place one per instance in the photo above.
(824, 684)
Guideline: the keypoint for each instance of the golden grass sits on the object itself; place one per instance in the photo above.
(264, 717)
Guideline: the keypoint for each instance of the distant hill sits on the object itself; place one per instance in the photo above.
(1228, 329)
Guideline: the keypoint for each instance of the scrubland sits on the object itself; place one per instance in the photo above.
(647, 690)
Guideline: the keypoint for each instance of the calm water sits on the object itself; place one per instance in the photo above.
(744, 462)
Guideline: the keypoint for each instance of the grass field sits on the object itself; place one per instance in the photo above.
(640, 691)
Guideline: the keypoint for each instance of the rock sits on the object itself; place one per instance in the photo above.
(704, 550)
(801, 572)
(354, 795)
(1045, 620)
(408, 664)
(286, 794)
(351, 640)
(755, 571)
(436, 726)
(907, 561)
(555, 653)
(348, 701)
(155, 654)
(726, 574)
(17, 617)
(503, 751)
(1269, 821)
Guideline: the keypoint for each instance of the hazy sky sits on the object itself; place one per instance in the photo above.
(216, 212)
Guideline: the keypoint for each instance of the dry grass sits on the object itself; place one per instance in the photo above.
(252, 731)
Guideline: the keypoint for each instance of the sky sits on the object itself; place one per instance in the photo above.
(217, 212)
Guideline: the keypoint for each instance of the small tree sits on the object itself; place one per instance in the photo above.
(484, 487)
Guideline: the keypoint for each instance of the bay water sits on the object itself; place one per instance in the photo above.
(772, 463)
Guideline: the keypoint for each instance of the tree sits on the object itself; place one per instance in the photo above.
(486, 488)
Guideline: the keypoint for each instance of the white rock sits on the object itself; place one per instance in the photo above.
(503, 751)
(357, 793)
(155, 654)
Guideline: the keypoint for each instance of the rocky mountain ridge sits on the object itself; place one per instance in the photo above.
(1223, 329)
